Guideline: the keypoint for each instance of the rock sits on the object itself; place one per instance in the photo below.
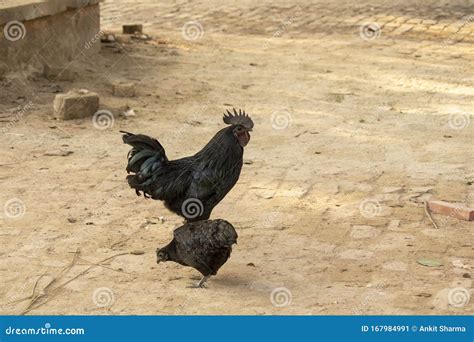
(395, 266)
(458, 263)
(75, 105)
(121, 89)
(128, 112)
(58, 153)
(108, 38)
(390, 189)
(132, 29)
(364, 232)
(141, 36)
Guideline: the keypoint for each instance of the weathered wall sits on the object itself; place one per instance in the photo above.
(50, 38)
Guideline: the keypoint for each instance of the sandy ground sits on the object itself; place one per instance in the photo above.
(351, 137)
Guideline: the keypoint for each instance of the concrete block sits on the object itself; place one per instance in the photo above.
(56, 28)
(122, 89)
(58, 73)
(75, 104)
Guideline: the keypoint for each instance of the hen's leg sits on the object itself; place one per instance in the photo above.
(201, 284)
(203, 281)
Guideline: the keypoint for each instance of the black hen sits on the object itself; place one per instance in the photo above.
(191, 186)
(204, 245)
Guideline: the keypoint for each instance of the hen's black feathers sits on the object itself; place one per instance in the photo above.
(204, 245)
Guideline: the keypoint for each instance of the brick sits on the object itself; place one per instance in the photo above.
(75, 104)
(401, 20)
(392, 24)
(429, 22)
(132, 29)
(385, 19)
(415, 21)
(419, 28)
(452, 28)
(455, 210)
(437, 27)
(402, 29)
(121, 89)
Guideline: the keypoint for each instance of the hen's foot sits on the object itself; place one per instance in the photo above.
(201, 284)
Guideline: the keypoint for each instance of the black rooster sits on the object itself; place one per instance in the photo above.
(204, 245)
(191, 186)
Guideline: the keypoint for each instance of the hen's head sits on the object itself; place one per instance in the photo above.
(241, 124)
(161, 255)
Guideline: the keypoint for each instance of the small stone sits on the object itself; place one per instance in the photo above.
(137, 252)
(75, 105)
(141, 36)
(58, 153)
(71, 220)
(108, 38)
(251, 264)
(458, 263)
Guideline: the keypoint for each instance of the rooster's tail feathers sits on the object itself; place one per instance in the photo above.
(146, 154)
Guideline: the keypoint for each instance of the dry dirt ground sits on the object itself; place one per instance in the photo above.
(351, 137)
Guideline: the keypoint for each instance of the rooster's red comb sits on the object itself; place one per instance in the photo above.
(238, 118)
